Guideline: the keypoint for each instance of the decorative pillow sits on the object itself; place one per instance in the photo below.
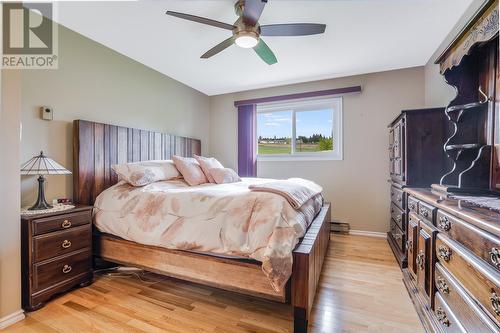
(190, 170)
(146, 172)
(224, 175)
(207, 163)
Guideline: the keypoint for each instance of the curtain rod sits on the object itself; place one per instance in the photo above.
(310, 94)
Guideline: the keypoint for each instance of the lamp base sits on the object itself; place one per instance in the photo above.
(40, 203)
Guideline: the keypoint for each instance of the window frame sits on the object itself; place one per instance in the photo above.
(307, 105)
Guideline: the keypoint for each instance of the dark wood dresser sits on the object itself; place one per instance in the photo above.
(452, 240)
(56, 254)
(415, 138)
(453, 273)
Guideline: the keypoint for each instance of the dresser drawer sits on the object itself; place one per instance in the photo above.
(466, 310)
(66, 221)
(426, 211)
(480, 280)
(62, 242)
(397, 196)
(49, 273)
(397, 234)
(398, 216)
(412, 204)
(447, 319)
(483, 244)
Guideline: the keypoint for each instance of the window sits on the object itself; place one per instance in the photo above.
(306, 129)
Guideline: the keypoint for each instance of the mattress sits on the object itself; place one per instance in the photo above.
(224, 220)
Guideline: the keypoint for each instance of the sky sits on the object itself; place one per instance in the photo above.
(279, 124)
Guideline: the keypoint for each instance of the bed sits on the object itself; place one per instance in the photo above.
(98, 146)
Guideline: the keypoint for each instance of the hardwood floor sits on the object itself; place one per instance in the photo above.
(360, 291)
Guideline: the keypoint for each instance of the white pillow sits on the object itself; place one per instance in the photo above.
(224, 175)
(207, 163)
(146, 172)
(190, 170)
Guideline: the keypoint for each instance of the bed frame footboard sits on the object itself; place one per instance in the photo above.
(308, 260)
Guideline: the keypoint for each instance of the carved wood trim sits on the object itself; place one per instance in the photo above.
(482, 28)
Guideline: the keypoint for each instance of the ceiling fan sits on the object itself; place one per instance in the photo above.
(247, 31)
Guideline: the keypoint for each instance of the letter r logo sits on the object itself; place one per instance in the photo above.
(27, 28)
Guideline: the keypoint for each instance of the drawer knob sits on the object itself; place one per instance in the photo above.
(441, 316)
(66, 244)
(495, 303)
(398, 218)
(495, 257)
(444, 223)
(66, 269)
(442, 286)
(420, 260)
(424, 212)
(66, 224)
(444, 252)
(399, 198)
(412, 206)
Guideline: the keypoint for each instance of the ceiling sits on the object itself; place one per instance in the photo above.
(362, 36)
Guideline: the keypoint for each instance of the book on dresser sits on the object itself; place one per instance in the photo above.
(445, 224)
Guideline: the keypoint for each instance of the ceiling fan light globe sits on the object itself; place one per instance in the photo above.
(246, 41)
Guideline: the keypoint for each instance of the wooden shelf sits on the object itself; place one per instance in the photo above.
(469, 106)
(463, 146)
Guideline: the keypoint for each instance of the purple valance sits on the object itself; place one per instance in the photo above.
(247, 141)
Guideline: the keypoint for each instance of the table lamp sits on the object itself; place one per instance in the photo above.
(42, 165)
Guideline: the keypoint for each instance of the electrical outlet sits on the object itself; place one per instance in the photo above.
(47, 113)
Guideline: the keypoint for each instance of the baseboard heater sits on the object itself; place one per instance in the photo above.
(340, 227)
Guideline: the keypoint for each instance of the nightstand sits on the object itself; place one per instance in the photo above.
(56, 254)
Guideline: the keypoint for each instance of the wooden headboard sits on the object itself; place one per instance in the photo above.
(96, 147)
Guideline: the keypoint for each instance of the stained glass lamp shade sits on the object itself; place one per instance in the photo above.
(42, 165)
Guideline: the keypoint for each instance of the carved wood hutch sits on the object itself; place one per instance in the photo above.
(446, 204)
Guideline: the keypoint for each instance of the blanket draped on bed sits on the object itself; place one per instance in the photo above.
(225, 219)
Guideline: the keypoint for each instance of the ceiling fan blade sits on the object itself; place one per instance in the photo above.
(218, 48)
(265, 53)
(252, 10)
(202, 20)
(292, 29)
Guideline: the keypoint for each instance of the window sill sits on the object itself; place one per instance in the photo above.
(298, 158)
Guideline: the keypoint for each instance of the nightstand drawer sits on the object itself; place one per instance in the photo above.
(58, 243)
(62, 222)
(51, 272)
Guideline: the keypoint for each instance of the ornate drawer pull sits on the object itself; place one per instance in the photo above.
(399, 198)
(495, 303)
(398, 218)
(442, 286)
(441, 316)
(425, 212)
(66, 269)
(409, 245)
(412, 206)
(444, 252)
(66, 224)
(420, 260)
(495, 257)
(66, 244)
(444, 223)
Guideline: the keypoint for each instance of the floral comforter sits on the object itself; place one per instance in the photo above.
(224, 219)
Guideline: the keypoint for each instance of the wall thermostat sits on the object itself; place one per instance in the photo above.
(47, 113)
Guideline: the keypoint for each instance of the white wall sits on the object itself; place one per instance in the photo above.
(10, 247)
(437, 91)
(357, 186)
(96, 83)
